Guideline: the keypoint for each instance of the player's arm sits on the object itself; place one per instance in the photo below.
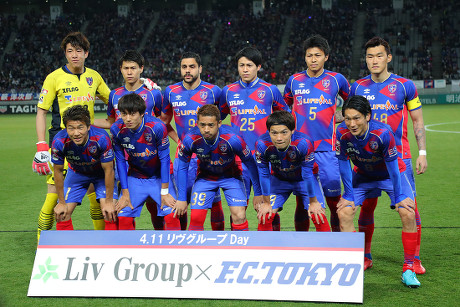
(278, 100)
(263, 168)
(420, 136)
(124, 200)
(185, 154)
(166, 119)
(60, 211)
(288, 96)
(165, 161)
(222, 105)
(315, 208)
(347, 198)
(107, 206)
(401, 199)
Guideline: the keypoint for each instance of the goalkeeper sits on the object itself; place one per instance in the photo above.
(69, 85)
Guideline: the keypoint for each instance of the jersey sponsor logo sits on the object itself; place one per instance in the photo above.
(179, 104)
(129, 146)
(70, 99)
(43, 92)
(148, 137)
(326, 83)
(385, 106)
(203, 95)
(69, 90)
(89, 80)
(236, 102)
(108, 154)
(321, 100)
(223, 147)
(392, 87)
(255, 111)
(370, 97)
(146, 153)
(164, 141)
(302, 92)
(186, 112)
(392, 151)
(72, 158)
(373, 145)
(261, 94)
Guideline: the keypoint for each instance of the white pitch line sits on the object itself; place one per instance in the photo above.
(444, 131)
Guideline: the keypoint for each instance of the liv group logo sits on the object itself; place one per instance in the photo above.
(47, 271)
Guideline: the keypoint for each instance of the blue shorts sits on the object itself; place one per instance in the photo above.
(410, 176)
(204, 190)
(191, 177)
(363, 187)
(329, 174)
(139, 190)
(281, 189)
(76, 185)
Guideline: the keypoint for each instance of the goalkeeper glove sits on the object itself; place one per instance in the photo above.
(42, 160)
(150, 84)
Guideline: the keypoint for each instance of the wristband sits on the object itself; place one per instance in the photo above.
(42, 146)
(164, 191)
(422, 152)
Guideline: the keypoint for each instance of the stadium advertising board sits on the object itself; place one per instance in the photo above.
(295, 266)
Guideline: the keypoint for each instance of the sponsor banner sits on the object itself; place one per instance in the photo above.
(455, 85)
(440, 99)
(296, 266)
(440, 83)
(29, 108)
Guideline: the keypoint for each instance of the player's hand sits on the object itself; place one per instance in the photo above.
(60, 212)
(406, 203)
(257, 201)
(345, 203)
(42, 160)
(124, 201)
(316, 211)
(180, 208)
(150, 84)
(108, 210)
(421, 164)
(264, 209)
(167, 200)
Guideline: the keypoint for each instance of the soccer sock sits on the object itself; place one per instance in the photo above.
(409, 241)
(268, 226)
(276, 222)
(366, 223)
(419, 231)
(323, 227)
(217, 216)
(111, 225)
(95, 212)
(67, 225)
(241, 227)
(46, 216)
(332, 204)
(157, 221)
(301, 220)
(197, 218)
(126, 223)
(171, 222)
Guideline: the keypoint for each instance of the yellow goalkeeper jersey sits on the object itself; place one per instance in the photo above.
(73, 89)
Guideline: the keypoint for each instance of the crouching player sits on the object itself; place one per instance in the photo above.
(372, 148)
(291, 156)
(89, 153)
(144, 140)
(215, 146)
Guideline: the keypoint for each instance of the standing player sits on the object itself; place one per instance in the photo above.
(312, 94)
(215, 147)
(131, 66)
(291, 156)
(372, 148)
(88, 150)
(249, 101)
(144, 140)
(72, 84)
(183, 100)
(391, 96)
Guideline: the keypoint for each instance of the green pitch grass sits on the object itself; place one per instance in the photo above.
(22, 193)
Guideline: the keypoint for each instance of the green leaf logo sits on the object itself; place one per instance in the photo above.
(47, 271)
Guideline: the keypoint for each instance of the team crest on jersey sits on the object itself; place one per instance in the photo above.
(291, 155)
(177, 111)
(233, 110)
(392, 88)
(89, 80)
(223, 147)
(373, 145)
(299, 99)
(326, 83)
(261, 94)
(203, 95)
(144, 96)
(92, 149)
(148, 137)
